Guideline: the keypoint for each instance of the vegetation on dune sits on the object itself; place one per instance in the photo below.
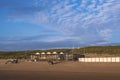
(104, 50)
(87, 50)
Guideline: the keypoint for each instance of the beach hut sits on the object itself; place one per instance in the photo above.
(42, 56)
(48, 55)
(37, 56)
(62, 56)
(55, 56)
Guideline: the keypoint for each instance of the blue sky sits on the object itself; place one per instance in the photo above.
(47, 24)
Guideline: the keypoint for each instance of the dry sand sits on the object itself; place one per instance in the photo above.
(61, 71)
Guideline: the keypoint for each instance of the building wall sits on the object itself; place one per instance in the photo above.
(100, 59)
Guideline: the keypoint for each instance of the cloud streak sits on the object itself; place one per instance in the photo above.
(82, 21)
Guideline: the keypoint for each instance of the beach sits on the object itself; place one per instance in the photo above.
(61, 71)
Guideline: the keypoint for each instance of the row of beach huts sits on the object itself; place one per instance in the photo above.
(61, 56)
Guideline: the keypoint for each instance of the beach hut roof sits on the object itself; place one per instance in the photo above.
(48, 52)
(61, 53)
(43, 53)
(54, 52)
(37, 53)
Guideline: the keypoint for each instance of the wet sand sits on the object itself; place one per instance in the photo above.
(61, 71)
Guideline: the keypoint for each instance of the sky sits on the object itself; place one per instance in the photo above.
(49, 24)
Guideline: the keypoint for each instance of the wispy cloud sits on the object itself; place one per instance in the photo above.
(42, 37)
(82, 21)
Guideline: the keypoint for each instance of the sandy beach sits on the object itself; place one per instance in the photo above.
(61, 71)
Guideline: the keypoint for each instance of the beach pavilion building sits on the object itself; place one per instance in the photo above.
(45, 56)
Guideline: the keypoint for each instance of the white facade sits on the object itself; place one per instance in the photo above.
(101, 59)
